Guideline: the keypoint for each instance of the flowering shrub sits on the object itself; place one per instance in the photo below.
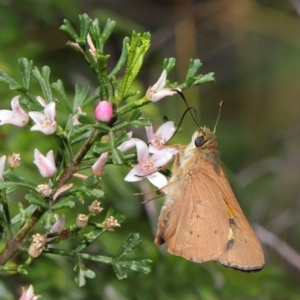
(63, 163)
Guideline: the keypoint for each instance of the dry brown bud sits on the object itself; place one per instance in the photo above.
(82, 220)
(95, 208)
(111, 223)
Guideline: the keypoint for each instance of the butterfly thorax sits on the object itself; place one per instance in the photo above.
(204, 145)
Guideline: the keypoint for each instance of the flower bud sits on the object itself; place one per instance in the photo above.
(44, 189)
(104, 111)
(82, 220)
(111, 223)
(37, 245)
(95, 208)
(14, 160)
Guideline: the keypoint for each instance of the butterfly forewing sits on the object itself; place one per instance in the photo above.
(245, 251)
(201, 219)
(194, 222)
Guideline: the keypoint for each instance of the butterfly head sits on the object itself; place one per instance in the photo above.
(203, 138)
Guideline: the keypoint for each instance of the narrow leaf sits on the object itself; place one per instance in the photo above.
(25, 68)
(43, 79)
(132, 241)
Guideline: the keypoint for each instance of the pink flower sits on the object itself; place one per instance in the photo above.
(44, 122)
(104, 111)
(97, 167)
(62, 189)
(17, 116)
(58, 225)
(158, 90)
(163, 134)
(46, 165)
(147, 166)
(28, 295)
(127, 145)
(2, 163)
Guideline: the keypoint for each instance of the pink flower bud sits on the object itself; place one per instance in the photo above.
(104, 111)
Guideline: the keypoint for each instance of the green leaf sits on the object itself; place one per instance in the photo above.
(68, 28)
(66, 202)
(137, 49)
(141, 123)
(122, 60)
(58, 86)
(80, 197)
(101, 126)
(78, 139)
(12, 180)
(85, 24)
(169, 64)
(37, 199)
(13, 85)
(142, 266)
(194, 65)
(97, 193)
(91, 98)
(92, 181)
(123, 137)
(135, 114)
(117, 157)
(25, 69)
(108, 29)
(99, 148)
(111, 139)
(80, 95)
(119, 271)
(79, 278)
(88, 239)
(48, 219)
(85, 120)
(96, 34)
(91, 193)
(205, 79)
(132, 241)
(98, 258)
(43, 79)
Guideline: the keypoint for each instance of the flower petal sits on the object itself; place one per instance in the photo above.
(161, 82)
(2, 164)
(50, 111)
(162, 157)
(131, 176)
(154, 97)
(97, 167)
(142, 150)
(167, 130)
(158, 179)
(149, 132)
(45, 165)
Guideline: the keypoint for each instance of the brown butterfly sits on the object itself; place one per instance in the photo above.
(201, 219)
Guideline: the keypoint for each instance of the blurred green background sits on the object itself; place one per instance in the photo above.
(254, 49)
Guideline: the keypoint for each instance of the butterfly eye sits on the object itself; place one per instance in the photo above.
(199, 141)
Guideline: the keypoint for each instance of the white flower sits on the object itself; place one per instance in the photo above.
(158, 90)
(97, 167)
(46, 165)
(44, 122)
(2, 163)
(29, 294)
(17, 116)
(148, 166)
(163, 134)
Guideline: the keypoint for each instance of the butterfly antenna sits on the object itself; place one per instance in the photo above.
(194, 116)
(219, 114)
